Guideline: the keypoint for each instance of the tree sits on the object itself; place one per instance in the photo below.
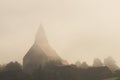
(13, 71)
(111, 63)
(78, 64)
(13, 66)
(84, 65)
(97, 63)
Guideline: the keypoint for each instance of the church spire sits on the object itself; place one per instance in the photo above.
(41, 36)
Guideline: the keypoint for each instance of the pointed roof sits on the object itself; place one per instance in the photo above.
(41, 36)
(40, 53)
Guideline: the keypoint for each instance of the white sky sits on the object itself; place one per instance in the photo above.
(76, 29)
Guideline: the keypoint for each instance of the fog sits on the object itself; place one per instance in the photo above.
(77, 29)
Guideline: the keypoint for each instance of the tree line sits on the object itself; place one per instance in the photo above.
(14, 71)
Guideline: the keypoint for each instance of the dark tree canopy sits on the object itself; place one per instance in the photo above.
(13, 66)
(53, 71)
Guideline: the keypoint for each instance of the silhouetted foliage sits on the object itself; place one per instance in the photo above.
(53, 71)
(78, 64)
(84, 65)
(71, 72)
(13, 66)
(97, 63)
(111, 63)
(13, 71)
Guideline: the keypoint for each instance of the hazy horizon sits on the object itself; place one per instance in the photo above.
(77, 29)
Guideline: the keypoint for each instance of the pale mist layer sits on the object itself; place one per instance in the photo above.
(75, 28)
(41, 54)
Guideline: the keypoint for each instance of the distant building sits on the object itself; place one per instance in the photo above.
(40, 53)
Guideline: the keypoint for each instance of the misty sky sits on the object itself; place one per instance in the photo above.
(76, 29)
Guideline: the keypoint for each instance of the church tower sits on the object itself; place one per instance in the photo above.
(40, 53)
